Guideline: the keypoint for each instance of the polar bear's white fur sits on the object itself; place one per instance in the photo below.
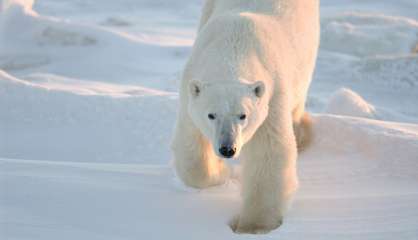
(243, 93)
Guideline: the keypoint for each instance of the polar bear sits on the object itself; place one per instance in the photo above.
(243, 94)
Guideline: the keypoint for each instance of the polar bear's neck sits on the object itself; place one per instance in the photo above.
(234, 47)
(240, 41)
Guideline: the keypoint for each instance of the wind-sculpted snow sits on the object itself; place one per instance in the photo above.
(88, 101)
(30, 43)
(365, 189)
(369, 34)
(75, 122)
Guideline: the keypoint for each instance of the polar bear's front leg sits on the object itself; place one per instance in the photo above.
(195, 162)
(269, 178)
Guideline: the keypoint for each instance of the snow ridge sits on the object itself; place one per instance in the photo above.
(88, 102)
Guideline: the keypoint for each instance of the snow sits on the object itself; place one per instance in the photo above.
(88, 98)
(349, 103)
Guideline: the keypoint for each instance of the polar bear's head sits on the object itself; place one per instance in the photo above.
(227, 114)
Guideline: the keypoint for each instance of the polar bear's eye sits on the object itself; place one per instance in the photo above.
(211, 116)
(242, 117)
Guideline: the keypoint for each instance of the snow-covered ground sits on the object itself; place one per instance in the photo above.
(88, 102)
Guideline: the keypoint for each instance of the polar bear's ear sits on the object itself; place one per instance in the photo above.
(195, 87)
(258, 89)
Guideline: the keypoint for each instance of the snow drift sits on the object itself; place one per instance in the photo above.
(88, 101)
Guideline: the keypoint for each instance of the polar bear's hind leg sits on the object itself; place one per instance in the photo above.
(302, 127)
(303, 131)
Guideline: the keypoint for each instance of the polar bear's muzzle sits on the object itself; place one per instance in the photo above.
(227, 151)
(227, 140)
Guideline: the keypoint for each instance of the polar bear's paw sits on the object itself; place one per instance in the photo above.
(242, 226)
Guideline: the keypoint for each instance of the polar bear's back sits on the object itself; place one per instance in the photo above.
(218, 7)
(267, 7)
(286, 33)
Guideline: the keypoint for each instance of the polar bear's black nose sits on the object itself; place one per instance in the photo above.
(227, 151)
